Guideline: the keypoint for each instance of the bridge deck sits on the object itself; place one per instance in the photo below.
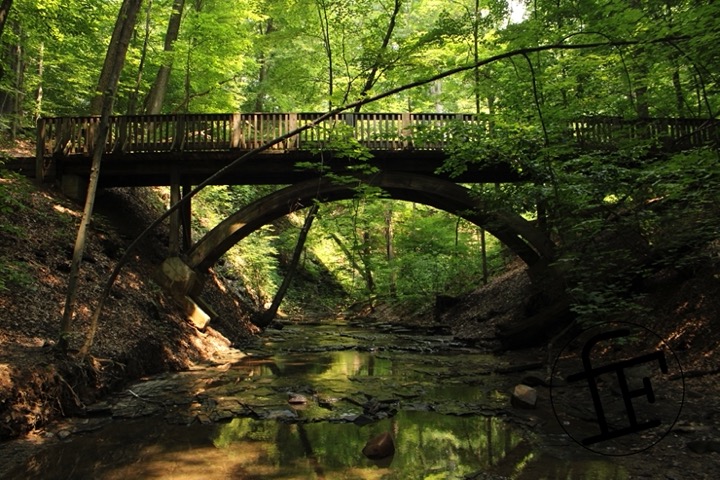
(147, 149)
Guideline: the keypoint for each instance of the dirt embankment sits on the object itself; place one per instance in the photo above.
(141, 331)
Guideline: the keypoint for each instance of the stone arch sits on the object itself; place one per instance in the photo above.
(524, 239)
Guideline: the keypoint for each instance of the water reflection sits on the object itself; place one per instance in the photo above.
(428, 446)
(438, 430)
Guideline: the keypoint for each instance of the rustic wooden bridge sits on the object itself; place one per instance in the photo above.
(187, 148)
(406, 149)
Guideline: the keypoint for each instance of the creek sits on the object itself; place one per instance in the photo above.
(302, 402)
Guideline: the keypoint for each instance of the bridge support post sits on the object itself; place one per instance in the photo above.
(40, 166)
(74, 187)
(186, 214)
(175, 216)
(184, 285)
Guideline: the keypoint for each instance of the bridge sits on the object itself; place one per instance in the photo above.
(407, 149)
(144, 150)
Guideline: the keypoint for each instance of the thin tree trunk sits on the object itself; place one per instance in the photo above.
(362, 270)
(371, 78)
(365, 257)
(115, 60)
(264, 67)
(156, 97)
(476, 54)
(390, 250)
(325, 26)
(5, 7)
(19, 83)
(483, 255)
(132, 104)
(39, 91)
(117, 49)
(268, 315)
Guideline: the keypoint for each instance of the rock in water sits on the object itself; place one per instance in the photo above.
(297, 399)
(524, 396)
(379, 447)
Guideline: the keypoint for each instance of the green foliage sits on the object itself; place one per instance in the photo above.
(255, 261)
(622, 225)
(12, 195)
(14, 273)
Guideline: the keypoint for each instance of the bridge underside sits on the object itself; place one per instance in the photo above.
(518, 234)
(272, 168)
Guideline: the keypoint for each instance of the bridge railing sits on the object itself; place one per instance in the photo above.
(669, 133)
(376, 131)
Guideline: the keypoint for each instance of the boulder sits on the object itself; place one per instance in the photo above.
(379, 447)
(524, 397)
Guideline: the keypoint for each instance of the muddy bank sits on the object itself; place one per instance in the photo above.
(141, 331)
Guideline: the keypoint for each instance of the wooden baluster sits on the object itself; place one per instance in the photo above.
(294, 142)
(235, 132)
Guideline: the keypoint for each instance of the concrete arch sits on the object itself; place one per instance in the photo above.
(528, 242)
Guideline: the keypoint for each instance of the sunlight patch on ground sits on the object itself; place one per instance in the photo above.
(67, 211)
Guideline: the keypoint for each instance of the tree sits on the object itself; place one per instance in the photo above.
(115, 56)
(5, 7)
(115, 59)
(156, 96)
(266, 317)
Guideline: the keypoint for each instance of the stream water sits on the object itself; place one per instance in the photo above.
(303, 402)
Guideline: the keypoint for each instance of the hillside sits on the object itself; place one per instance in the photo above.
(141, 330)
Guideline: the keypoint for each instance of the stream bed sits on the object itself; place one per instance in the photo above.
(303, 401)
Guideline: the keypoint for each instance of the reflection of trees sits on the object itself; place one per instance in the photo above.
(427, 443)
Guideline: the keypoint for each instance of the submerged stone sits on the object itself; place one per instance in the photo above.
(379, 447)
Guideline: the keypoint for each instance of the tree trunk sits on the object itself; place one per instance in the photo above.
(367, 268)
(39, 91)
(114, 62)
(19, 86)
(264, 319)
(8, 98)
(262, 59)
(371, 78)
(4, 11)
(483, 255)
(390, 250)
(361, 269)
(132, 104)
(11, 101)
(157, 93)
(322, 9)
(119, 42)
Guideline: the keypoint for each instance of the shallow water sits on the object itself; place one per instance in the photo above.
(301, 404)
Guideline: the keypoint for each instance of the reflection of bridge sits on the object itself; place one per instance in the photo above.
(407, 150)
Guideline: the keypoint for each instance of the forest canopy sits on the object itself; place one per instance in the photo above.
(302, 55)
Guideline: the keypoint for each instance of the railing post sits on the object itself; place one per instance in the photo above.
(121, 127)
(236, 133)
(406, 130)
(179, 140)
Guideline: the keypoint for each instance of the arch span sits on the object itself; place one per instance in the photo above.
(528, 242)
